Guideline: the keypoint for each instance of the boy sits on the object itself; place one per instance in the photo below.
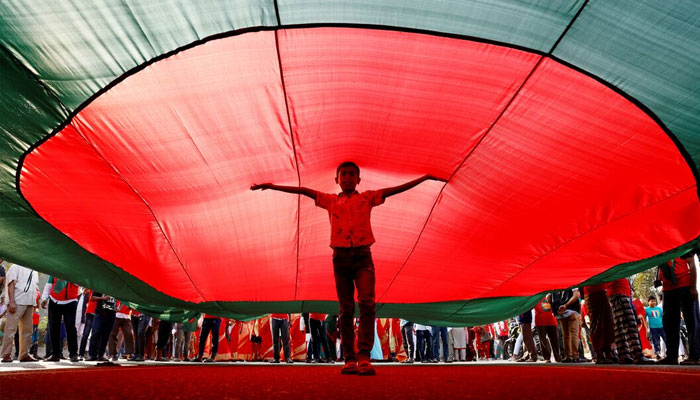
(351, 238)
(654, 315)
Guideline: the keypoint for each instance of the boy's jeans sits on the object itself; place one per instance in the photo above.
(353, 266)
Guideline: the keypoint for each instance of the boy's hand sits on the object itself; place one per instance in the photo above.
(261, 186)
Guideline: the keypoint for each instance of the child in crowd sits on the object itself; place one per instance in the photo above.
(654, 315)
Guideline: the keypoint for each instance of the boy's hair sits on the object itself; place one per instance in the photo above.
(347, 164)
(651, 297)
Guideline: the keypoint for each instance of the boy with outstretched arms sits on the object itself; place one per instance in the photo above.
(351, 238)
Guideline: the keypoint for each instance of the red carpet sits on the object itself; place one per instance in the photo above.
(227, 381)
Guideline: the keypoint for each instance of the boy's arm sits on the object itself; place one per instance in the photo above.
(287, 189)
(408, 185)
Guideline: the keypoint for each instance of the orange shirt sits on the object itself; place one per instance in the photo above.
(349, 216)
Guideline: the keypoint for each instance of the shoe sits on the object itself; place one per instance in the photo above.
(115, 359)
(275, 362)
(603, 360)
(309, 361)
(434, 361)
(448, 361)
(102, 359)
(27, 358)
(210, 360)
(315, 361)
(531, 360)
(365, 368)
(7, 359)
(75, 359)
(349, 368)
(690, 362)
(547, 361)
(53, 359)
(329, 361)
(566, 360)
(289, 361)
(197, 359)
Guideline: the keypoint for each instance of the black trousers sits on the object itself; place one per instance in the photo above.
(139, 325)
(65, 312)
(280, 330)
(675, 301)
(210, 325)
(89, 318)
(164, 328)
(320, 338)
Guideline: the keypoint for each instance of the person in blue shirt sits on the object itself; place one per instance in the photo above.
(654, 316)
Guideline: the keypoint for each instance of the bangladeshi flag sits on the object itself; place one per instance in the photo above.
(130, 133)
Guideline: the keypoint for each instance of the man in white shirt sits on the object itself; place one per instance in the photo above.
(20, 289)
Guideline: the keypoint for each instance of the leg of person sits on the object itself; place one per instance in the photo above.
(689, 306)
(428, 340)
(404, 339)
(529, 341)
(164, 328)
(215, 338)
(112, 340)
(104, 338)
(574, 329)
(207, 326)
(276, 325)
(97, 324)
(553, 336)
(411, 342)
(128, 333)
(435, 341)
(87, 329)
(565, 329)
(365, 283)
(619, 314)
(345, 289)
(284, 332)
(672, 324)
(324, 342)
(25, 331)
(11, 325)
(544, 343)
(420, 346)
(188, 339)
(445, 346)
(656, 339)
(315, 338)
(68, 311)
(137, 340)
(54, 321)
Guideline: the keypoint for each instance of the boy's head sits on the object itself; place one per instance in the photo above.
(347, 175)
(652, 301)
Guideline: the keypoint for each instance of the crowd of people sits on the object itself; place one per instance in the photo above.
(603, 323)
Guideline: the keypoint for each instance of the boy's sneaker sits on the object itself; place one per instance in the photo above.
(365, 368)
(349, 368)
